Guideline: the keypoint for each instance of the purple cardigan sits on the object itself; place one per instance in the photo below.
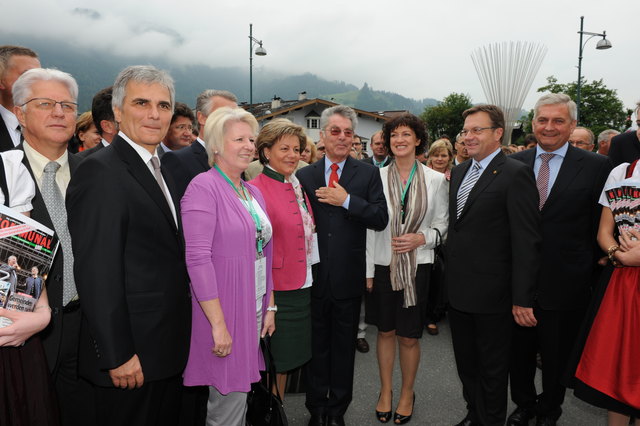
(220, 253)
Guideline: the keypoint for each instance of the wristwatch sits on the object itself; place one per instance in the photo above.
(273, 308)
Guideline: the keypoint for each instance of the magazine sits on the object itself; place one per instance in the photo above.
(27, 250)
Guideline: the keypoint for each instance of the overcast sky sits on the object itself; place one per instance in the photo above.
(417, 48)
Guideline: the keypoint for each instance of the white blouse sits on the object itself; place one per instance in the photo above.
(20, 184)
(379, 242)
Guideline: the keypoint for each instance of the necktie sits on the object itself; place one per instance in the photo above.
(58, 213)
(19, 130)
(467, 186)
(542, 181)
(333, 177)
(155, 162)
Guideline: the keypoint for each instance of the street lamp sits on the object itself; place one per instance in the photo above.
(260, 51)
(602, 45)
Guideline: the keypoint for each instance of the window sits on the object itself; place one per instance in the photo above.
(313, 123)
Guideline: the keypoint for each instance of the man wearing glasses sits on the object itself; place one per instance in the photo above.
(493, 244)
(179, 134)
(582, 138)
(625, 148)
(46, 108)
(346, 197)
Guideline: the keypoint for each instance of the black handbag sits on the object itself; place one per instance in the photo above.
(263, 407)
(438, 299)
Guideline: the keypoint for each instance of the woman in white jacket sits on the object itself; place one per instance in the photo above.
(399, 260)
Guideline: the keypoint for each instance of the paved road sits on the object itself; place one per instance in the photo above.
(438, 391)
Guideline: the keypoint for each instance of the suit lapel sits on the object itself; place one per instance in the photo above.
(349, 170)
(200, 154)
(570, 168)
(142, 174)
(493, 169)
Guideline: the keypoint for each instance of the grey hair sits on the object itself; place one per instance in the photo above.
(8, 51)
(203, 101)
(22, 86)
(342, 110)
(146, 74)
(555, 99)
(216, 127)
(606, 134)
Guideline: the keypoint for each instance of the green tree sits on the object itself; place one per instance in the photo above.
(600, 108)
(446, 117)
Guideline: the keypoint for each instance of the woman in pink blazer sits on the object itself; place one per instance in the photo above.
(279, 146)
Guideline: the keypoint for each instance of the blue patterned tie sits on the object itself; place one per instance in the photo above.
(467, 186)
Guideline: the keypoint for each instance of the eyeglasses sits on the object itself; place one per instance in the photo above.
(320, 148)
(579, 143)
(357, 143)
(46, 104)
(475, 131)
(183, 127)
(335, 131)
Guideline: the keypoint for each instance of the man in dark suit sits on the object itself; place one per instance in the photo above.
(102, 115)
(493, 254)
(130, 268)
(381, 157)
(180, 134)
(570, 216)
(34, 283)
(46, 110)
(10, 269)
(186, 163)
(347, 198)
(14, 61)
(625, 148)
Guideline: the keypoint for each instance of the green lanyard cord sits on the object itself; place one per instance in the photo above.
(406, 188)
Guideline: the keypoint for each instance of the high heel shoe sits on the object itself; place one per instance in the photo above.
(399, 419)
(384, 416)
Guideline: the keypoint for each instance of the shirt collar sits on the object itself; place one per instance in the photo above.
(328, 163)
(201, 142)
(10, 119)
(142, 152)
(486, 160)
(38, 161)
(560, 152)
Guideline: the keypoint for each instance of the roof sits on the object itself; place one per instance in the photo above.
(263, 111)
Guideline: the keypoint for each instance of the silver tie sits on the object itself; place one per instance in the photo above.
(155, 162)
(466, 187)
(55, 206)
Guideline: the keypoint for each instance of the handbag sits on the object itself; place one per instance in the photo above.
(438, 299)
(263, 407)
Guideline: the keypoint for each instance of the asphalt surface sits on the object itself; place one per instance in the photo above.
(438, 390)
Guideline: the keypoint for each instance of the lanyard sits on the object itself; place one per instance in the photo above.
(406, 188)
(249, 206)
(379, 164)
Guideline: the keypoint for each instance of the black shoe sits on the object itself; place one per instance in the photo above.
(362, 345)
(335, 421)
(318, 420)
(520, 417)
(467, 422)
(545, 421)
(432, 329)
(384, 416)
(399, 419)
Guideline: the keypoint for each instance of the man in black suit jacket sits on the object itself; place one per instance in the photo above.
(130, 266)
(46, 133)
(14, 61)
(103, 119)
(492, 252)
(343, 211)
(625, 148)
(570, 217)
(186, 163)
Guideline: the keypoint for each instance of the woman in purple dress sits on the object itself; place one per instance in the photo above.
(228, 253)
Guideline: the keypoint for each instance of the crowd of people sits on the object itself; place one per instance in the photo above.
(186, 237)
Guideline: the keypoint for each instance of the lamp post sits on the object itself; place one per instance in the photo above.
(260, 51)
(602, 45)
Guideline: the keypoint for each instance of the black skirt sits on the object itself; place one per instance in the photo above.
(384, 307)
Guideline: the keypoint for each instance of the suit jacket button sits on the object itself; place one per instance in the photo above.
(329, 235)
(57, 277)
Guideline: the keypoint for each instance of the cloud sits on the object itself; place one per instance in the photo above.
(93, 14)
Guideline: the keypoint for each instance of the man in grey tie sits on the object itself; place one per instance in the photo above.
(45, 105)
(131, 273)
(492, 252)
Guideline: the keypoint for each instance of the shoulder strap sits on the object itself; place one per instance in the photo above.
(3, 184)
(630, 168)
